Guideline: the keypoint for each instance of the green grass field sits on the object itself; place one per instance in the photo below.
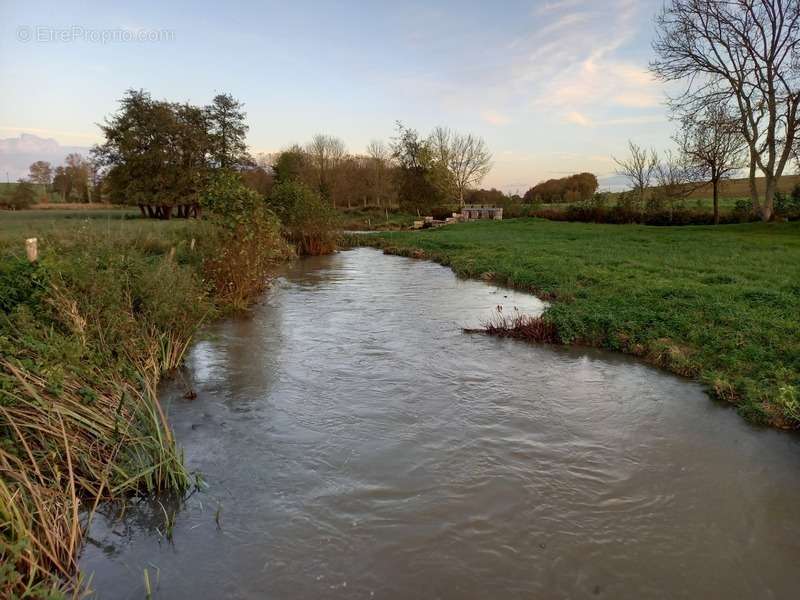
(16, 226)
(721, 304)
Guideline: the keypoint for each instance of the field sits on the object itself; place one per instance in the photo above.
(15, 226)
(740, 188)
(719, 304)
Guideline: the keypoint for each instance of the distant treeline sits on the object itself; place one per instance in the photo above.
(575, 188)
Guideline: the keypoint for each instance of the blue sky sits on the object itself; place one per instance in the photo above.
(553, 86)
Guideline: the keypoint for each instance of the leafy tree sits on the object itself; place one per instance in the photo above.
(228, 132)
(41, 172)
(76, 168)
(155, 152)
(308, 221)
(579, 187)
(23, 196)
(418, 175)
(62, 183)
(290, 165)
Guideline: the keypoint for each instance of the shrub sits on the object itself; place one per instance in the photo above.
(307, 221)
(788, 205)
(23, 196)
(244, 243)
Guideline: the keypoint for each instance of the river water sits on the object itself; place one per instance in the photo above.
(357, 444)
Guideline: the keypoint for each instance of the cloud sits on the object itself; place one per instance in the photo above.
(17, 154)
(578, 119)
(495, 118)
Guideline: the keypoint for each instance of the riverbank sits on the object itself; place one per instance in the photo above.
(718, 304)
(86, 333)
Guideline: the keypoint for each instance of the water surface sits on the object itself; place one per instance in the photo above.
(357, 444)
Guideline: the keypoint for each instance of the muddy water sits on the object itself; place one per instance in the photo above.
(356, 444)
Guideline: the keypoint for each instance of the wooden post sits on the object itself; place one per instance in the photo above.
(32, 249)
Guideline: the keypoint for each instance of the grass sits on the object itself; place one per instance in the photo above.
(372, 219)
(732, 189)
(719, 304)
(86, 333)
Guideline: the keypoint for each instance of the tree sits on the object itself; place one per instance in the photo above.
(745, 52)
(41, 172)
(77, 169)
(677, 176)
(156, 154)
(416, 174)
(469, 161)
(325, 152)
(62, 183)
(228, 131)
(575, 188)
(23, 195)
(465, 158)
(290, 165)
(713, 142)
(638, 169)
(379, 172)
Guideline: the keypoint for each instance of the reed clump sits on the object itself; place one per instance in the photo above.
(520, 326)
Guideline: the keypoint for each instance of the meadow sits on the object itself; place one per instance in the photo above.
(719, 304)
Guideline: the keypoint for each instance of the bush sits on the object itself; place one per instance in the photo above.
(310, 223)
(245, 242)
(788, 205)
(23, 196)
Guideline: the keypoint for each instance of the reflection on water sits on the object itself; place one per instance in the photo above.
(358, 445)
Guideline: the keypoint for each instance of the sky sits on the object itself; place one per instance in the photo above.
(553, 86)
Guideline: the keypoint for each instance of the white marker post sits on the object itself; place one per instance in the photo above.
(32, 249)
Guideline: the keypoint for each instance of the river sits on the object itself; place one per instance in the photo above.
(357, 444)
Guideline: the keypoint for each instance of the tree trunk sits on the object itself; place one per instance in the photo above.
(753, 189)
(769, 198)
(715, 185)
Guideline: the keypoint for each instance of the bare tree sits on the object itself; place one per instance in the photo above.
(676, 176)
(713, 141)
(639, 168)
(379, 170)
(747, 51)
(469, 161)
(325, 152)
(441, 142)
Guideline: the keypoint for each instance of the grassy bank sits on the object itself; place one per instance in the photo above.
(373, 219)
(86, 333)
(719, 304)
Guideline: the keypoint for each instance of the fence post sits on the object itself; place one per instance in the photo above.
(31, 249)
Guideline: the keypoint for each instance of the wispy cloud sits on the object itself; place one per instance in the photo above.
(495, 118)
